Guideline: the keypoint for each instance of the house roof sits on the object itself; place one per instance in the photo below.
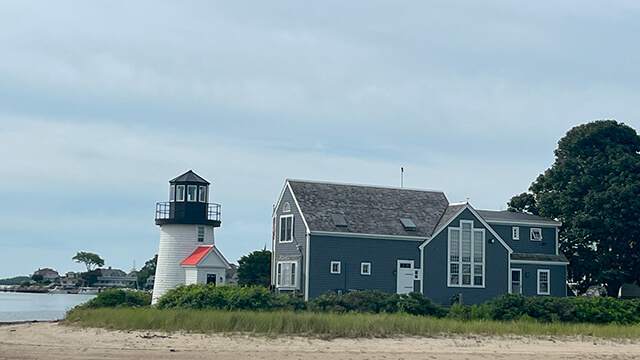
(197, 255)
(368, 209)
(560, 258)
(451, 210)
(515, 217)
(190, 177)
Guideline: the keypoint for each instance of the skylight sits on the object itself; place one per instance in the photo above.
(408, 224)
(338, 220)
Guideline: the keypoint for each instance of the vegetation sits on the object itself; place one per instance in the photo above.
(147, 270)
(90, 260)
(593, 187)
(17, 280)
(326, 325)
(118, 298)
(255, 269)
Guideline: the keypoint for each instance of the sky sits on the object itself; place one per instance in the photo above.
(102, 103)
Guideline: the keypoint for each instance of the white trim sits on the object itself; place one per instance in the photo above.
(306, 267)
(548, 292)
(195, 194)
(422, 266)
(362, 265)
(184, 192)
(339, 264)
(295, 201)
(198, 227)
(280, 228)
(295, 272)
(551, 223)
(202, 196)
(531, 237)
(557, 239)
(482, 221)
(511, 280)
(540, 262)
(370, 236)
(273, 249)
(515, 233)
(172, 193)
(286, 207)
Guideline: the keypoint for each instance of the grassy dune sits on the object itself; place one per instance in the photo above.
(325, 325)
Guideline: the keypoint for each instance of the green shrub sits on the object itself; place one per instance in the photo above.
(604, 310)
(202, 296)
(119, 298)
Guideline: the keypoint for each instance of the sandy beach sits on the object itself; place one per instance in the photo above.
(55, 341)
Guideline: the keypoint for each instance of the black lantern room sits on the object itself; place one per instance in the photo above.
(188, 202)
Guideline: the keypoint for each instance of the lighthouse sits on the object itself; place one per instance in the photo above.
(187, 253)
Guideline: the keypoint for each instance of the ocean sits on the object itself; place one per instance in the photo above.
(39, 307)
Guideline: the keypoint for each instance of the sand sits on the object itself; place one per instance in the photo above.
(56, 341)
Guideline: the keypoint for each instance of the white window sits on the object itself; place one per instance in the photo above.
(286, 207)
(365, 268)
(543, 282)
(515, 233)
(466, 255)
(286, 228)
(200, 233)
(180, 193)
(516, 281)
(172, 193)
(286, 274)
(535, 234)
(335, 267)
(202, 195)
(191, 192)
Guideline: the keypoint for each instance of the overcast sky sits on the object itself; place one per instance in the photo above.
(101, 104)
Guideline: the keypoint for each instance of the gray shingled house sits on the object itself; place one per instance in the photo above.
(338, 237)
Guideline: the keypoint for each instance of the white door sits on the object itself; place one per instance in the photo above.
(405, 276)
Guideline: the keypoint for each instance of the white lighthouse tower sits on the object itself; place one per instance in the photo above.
(187, 252)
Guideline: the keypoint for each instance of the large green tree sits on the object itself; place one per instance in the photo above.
(255, 268)
(89, 259)
(147, 270)
(593, 187)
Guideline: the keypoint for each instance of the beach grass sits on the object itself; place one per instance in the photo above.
(327, 325)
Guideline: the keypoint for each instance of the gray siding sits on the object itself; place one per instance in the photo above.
(383, 255)
(435, 268)
(296, 248)
(557, 281)
(525, 245)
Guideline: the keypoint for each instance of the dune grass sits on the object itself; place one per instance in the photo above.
(326, 325)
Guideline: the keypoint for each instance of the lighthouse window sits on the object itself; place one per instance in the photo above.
(191, 192)
(172, 193)
(180, 193)
(203, 194)
(200, 233)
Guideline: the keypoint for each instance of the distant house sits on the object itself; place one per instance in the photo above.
(340, 237)
(232, 275)
(150, 280)
(48, 275)
(115, 278)
(70, 279)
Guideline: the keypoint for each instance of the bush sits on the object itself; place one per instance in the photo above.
(119, 298)
(603, 310)
(202, 296)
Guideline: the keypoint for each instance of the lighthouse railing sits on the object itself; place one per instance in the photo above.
(167, 211)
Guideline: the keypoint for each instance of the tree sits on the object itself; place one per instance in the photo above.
(255, 268)
(593, 187)
(147, 270)
(90, 260)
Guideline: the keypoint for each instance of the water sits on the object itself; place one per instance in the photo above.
(41, 307)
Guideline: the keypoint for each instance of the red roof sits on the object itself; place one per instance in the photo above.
(197, 255)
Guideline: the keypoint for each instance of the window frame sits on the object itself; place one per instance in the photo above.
(464, 267)
(548, 281)
(195, 193)
(511, 281)
(339, 267)
(534, 230)
(286, 207)
(180, 190)
(202, 194)
(365, 265)
(172, 193)
(200, 235)
(280, 226)
(281, 267)
(515, 233)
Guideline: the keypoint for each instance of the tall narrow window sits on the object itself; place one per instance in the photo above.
(515, 233)
(172, 193)
(286, 228)
(180, 193)
(191, 192)
(466, 255)
(516, 281)
(543, 282)
(200, 233)
(202, 194)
